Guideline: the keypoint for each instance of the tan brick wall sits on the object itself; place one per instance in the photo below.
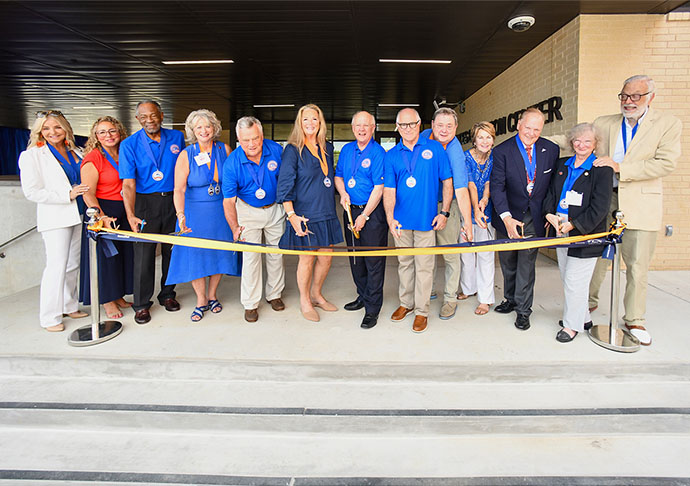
(585, 63)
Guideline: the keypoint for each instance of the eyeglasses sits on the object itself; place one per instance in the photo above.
(405, 126)
(41, 114)
(152, 116)
(103, 133)
(634, 97)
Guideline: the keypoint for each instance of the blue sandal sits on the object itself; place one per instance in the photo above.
(199, 313)
(214, 306)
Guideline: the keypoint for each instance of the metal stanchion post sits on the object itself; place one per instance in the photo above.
(612, 337)
(99, 331)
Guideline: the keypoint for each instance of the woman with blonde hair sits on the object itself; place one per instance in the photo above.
(49, 173)
(100, 171)
(306, 190)
(199, 208)
(477, 275)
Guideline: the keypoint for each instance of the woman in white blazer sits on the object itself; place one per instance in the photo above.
(49, 173)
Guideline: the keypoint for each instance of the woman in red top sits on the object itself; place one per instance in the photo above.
(99, 170)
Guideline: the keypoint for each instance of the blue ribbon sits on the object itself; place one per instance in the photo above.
(625, 134)
(145, 141)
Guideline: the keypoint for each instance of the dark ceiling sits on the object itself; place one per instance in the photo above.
(66, 54)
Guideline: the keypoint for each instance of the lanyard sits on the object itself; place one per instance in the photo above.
(319, 154)
(573, 174)
(111, 160)
(530, 167)
(257, 178)
(625, 134)
(415, 156)
(147, 147)
(70, 167)
(212, 166)
(355, 164)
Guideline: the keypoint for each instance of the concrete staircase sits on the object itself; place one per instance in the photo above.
(122, 421)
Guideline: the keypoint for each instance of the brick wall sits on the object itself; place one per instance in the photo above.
(585, 63)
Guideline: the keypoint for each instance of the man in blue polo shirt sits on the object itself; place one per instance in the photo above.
(444, 124)
(250, 176)
(147, 169)
(359, 180)
(413, 170)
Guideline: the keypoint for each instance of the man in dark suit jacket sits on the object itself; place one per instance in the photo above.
(523, 166)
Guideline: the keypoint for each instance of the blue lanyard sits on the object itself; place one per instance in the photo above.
(214, 156)
(625, 134)
(145, 142)
(415, 156)
(355, 161)
(111, 160)
(70, 167)
(573, 174)
(257, 178)
(530, 167)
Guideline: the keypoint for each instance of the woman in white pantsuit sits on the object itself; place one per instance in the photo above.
(576, 204)
(49, 173)
(477, 275)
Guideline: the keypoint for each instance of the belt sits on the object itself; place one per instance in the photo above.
(169, 193)
(358, 206)
(258, 207)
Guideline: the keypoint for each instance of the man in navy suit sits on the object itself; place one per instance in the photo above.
(521, 175)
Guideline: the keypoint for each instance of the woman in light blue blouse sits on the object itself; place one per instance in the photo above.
(477, 275)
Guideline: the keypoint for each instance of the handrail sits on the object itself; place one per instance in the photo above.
(2, 255)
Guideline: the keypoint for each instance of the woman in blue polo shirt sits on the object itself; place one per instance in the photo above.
(199, 209)
(576, 204)
(306, 190)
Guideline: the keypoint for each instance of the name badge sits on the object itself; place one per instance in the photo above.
(202, 159)
(326, 182)
(260, 193)
(351, 183)
(157, 176)
(411, 181)
(573, 198)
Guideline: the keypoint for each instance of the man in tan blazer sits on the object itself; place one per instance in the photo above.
(641, 145)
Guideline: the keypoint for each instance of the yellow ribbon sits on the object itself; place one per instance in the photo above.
(525, 244)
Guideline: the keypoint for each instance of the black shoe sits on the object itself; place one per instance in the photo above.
(564, 337)
(354, 305)
(142, 316)
(171, 305)
(369, 321)
(588, 325)
(522, 322)
(505, 307)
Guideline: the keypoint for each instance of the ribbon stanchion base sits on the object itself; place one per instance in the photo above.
(84, 335)
(623, 341)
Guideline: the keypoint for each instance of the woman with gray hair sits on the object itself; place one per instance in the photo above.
(199, 208)
(576, 204)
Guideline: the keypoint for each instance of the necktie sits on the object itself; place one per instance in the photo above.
(529, 154)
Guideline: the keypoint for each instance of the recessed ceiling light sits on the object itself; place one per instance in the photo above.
(418, 61)
(397, 105)
(209, 61)
(105, 107)
(274, 106)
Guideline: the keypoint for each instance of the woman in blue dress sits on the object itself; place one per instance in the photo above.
(306, 190)
(199, 208)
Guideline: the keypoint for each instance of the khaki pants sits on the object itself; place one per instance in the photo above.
(268, 223)
(637, 250)
(450, 235)
(415, 272)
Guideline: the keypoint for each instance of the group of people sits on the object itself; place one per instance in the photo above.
(425, 191)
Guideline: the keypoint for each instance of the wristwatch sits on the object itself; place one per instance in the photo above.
(444, 213)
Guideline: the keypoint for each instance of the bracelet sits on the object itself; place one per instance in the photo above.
(178, 213)
(289, 214)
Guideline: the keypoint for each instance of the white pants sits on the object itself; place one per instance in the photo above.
(575, 274)
(478, 269)
(268, 223)
(59, 282)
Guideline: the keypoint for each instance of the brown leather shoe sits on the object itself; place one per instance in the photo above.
(419, 324)
(171, 305)
(400, 313)
(251, 315)
(277, 304)
(142, 316)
